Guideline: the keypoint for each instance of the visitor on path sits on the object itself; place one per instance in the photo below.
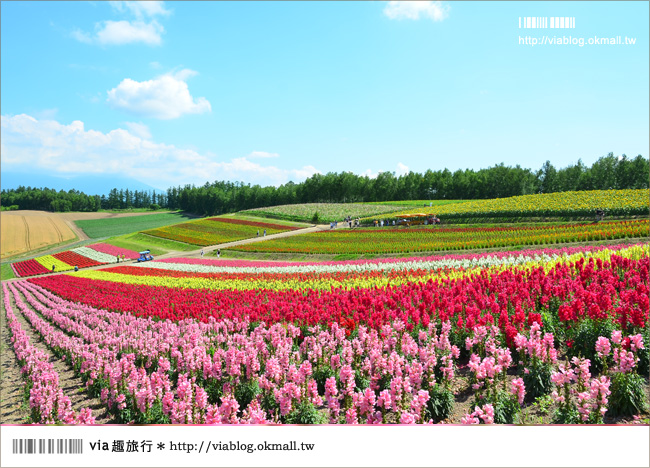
(53, 267)
(258, 233)
(218, 253)
(264, 232)
(76, 268)
(202, 253)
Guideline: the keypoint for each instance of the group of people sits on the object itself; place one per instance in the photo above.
(353, 222)
(380, 223)
(218, 253)
(120, 257)
(356, 222)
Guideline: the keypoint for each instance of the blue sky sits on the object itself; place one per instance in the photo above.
(172, 93)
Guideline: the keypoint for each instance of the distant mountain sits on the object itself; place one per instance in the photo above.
(90, 185)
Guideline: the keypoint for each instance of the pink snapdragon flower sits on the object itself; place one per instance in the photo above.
(518, 388)
(603, 347)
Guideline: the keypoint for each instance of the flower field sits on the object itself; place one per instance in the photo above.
(387, 341)
(561, 204)
(401, 240)
(81, 257)
(213, 231)
(327, 212)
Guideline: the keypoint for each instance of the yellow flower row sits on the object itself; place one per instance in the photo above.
(615, 202)
(48, 261)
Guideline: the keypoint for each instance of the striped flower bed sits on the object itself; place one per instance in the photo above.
(81, 257)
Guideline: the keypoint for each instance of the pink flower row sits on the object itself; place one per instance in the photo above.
(238, 357)
(46, 398)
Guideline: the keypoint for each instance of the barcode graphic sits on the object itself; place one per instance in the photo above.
(49, 446)
(544, 22)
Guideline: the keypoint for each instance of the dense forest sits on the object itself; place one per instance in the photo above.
(609, 172)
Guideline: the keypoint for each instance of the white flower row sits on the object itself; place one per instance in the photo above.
(94, 255)
(480, 262)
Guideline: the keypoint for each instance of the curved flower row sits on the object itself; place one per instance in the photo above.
(113, 250)
(73, 258)
(326, 211)
(28, 268)
(228, 372)
(213, 231)
(53, 263)
(579, 203)
(81, 257)
(46, 398)
(506, 295)
(95, 255)
(467, 261)
(338, 276)
(396, 240)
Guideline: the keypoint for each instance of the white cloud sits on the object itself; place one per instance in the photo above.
(127, 32)
(165, 97)
(262, 154)
(66, 150)
(402, 169)
(370, 174)
(122, 32)
(437, 11)
(142, 8)
(139, 129)
(155, 65)
(131, 31)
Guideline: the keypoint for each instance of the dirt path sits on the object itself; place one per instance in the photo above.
(68, 380)
(225, 245)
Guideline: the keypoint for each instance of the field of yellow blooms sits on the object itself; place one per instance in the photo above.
(561, 204)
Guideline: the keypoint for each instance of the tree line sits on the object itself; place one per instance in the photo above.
(608, 172)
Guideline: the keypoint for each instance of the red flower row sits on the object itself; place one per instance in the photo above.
(29, 268)
(74, 259)
(243, 222)
(617, 289)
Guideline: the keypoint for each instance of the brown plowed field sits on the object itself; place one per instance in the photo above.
(23, 231)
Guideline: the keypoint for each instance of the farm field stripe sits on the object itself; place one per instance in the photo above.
(312, 306)
(395, 240)
(430, 263)
(321, 280)
(577, 203)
